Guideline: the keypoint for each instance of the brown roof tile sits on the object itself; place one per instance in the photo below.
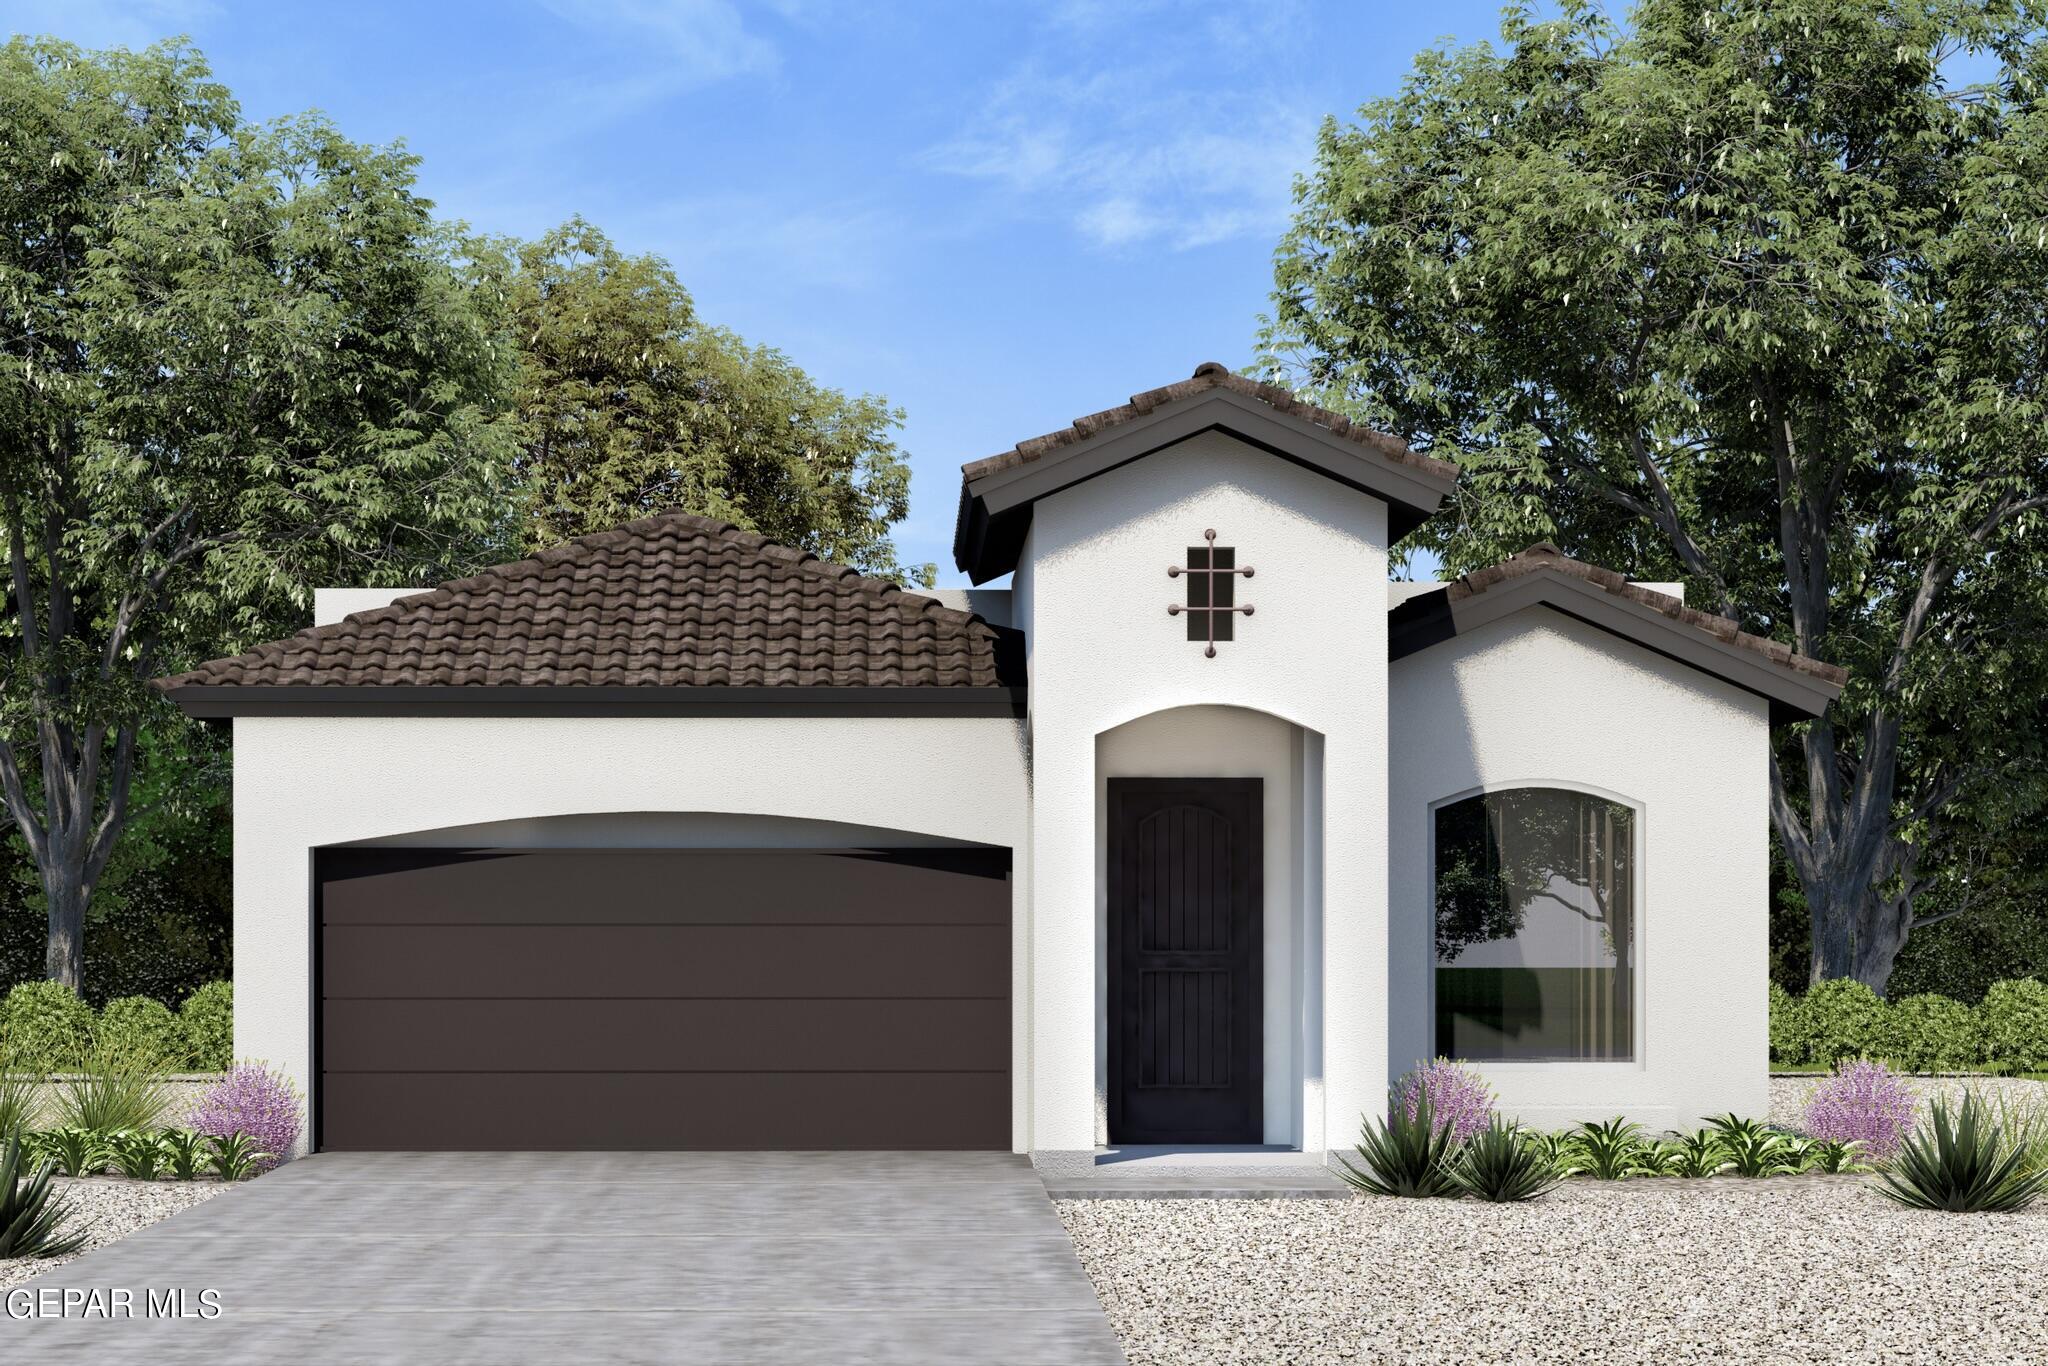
(1543, 555)
(1208, 375)
(668, 601)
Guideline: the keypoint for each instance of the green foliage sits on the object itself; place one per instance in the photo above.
(187, 1153)
(631, 405)
(75, 1151)
(2025, 1125)
(1611, 1150)
(2014, 1019)
(236, 1156)
(46, 1026)
(1558, 1150)
(1697, 1154)
(208, 1016)
(1841, 1019)
(1829, 1156)
(1755, 1149)
(1789, 1034)
(1929, 1033)
(1496, 1165)
(116, 1087)
(138, 1025)
(30, 1218)
(1747, 295)
(1961, 1163)
(138, 1154)
(1405, 1156)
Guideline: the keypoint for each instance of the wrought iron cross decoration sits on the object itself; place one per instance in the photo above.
(1212, 589)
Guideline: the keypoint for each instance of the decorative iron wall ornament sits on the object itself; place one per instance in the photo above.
(1211, 607)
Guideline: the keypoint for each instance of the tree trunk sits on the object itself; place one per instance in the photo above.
(64, 960)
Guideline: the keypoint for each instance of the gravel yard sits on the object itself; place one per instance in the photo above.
(1801, 1269)
(112, 1207)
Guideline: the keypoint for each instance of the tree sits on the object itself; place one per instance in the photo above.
(632, 405)
(1752, 294)
(234, 361)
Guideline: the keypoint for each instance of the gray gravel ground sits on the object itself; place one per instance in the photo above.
(1788, 1094)
(111, 1207)
(1809, 1269)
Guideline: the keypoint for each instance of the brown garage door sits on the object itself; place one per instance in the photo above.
(646, 999)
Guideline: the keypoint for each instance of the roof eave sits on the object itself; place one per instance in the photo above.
(212, 702)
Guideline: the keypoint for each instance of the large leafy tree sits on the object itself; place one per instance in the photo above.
(632, 404)
(1750, 292)
(235, 361)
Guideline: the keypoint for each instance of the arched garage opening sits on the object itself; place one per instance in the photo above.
(634, 981)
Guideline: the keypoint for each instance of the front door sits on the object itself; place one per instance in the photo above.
(1184, 927)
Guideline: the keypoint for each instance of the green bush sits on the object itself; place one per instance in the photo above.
(1930, 1033)
(209, 1019)
(138, 1024)
(46, 1026)
(1788, 1026)
(2014, 1017)
(1842, 1019)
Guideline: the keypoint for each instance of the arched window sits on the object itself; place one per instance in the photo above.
(1535, 926)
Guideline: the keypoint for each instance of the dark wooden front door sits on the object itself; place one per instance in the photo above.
(1185, 878)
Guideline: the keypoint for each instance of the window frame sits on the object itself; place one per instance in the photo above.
(1638, 1015)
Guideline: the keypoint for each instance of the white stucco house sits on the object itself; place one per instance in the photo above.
(1198, 835)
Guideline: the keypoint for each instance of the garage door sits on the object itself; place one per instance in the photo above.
(662, 999)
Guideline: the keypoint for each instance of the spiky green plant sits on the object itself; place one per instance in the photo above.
(1655, 1157)
(1559, 1150)
(119, 1085)
(1495, 1164)
(76, 1151)
(1754, 1148)
(30, 1218)
(187, 1153)
(2025, 1125)
(138, 1154)
(1832, 1156)
(17, 1096)
(1613, 1149)
(1405, 1156)
(1698, 1154)
(1960, 1162)
(236, 1156)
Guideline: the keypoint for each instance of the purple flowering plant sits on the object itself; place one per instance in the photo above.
(1459, 1098)
(1862, 1102)
(256, 1102)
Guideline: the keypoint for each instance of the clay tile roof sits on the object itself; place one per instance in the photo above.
(1545, 556)
(1208, 375)
(671, 601)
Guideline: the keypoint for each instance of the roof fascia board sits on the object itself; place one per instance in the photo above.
(227, 700)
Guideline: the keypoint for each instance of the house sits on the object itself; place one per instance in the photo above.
(1199, 834)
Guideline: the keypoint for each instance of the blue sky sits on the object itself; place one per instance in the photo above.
(1002, 216)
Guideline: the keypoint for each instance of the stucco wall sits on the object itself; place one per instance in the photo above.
(1104, 652)
(1542, 699)
(301, 783)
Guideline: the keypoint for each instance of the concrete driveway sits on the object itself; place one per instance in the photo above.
(601, 1257)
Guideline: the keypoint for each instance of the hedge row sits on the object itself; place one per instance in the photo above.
(1927, 1033)
(45, 1028)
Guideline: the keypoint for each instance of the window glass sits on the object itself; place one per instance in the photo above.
(1535, 923)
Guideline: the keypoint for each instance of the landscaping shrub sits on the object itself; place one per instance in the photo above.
(1789, 1042)
(1496, 1165)
(1613, 1150)
(1409, 1155)
(237, 1158)
(2015, 1022)
(186, 1152)
(46, 1026)
(1459, 1098)
(1841, 1018)
(256, 1102)
(1930, 1033)
(208, 1016)
(1963, 1164)
(1861, 1102)
(115, 1086)
(147, 1027)
(29, 1217)
(1754, 1148)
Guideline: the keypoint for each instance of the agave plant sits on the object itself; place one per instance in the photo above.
(1961, 1162)
(187, 1152)
(1612, 1149)
(236, 1156)
(76, 1151)
(1408, 1155)
(1495, 1164)
(1755, 1149)
(137, 1154)
(30, 1218)
(1698, 1154)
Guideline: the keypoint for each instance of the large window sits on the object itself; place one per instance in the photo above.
(1535, 926)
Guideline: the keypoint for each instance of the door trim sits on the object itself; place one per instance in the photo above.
(1252, 790)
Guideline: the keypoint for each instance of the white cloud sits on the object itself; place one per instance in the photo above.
(695, 40)
(1196, 141)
